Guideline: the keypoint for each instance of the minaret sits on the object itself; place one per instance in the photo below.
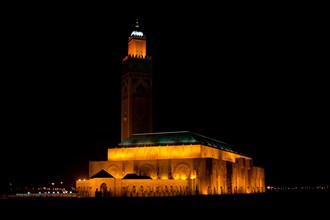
(136, 87)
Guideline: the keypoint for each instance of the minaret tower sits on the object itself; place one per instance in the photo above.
(136, 87)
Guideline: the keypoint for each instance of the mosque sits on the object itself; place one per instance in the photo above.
(149, 164)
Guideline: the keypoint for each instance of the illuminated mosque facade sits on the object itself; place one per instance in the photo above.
(149, 164)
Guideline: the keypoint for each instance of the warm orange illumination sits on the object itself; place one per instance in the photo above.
(195, 165)
(147, 153)
(137, 46)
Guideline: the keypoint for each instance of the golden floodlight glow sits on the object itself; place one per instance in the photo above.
(152, 164)
(145, 153)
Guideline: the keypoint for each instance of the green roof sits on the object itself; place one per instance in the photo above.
(173, 138)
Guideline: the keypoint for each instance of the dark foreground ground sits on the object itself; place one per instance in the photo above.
(261, 206)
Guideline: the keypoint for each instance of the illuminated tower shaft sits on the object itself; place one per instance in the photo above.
(136, 88)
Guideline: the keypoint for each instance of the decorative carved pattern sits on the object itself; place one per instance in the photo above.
(214, 178)
(148, 170)
(114, 171)
(215, 170)
(181, 171)
(124, 90)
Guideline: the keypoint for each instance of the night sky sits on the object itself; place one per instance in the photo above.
(253, 77)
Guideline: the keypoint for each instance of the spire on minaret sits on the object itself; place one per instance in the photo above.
(137, 24)
(136, 31)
